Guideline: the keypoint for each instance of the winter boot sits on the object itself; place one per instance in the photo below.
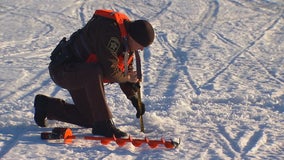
(107, 129)
(40, 104)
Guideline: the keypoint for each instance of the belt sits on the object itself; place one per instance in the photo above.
(61, 54)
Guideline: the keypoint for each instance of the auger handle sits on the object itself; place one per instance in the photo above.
(140, 108)
(139, 76)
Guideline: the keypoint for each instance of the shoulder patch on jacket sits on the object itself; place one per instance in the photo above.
(113, 44)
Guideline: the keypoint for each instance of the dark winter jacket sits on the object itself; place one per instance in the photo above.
(101, 36)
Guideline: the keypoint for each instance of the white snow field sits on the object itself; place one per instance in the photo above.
(214, 77)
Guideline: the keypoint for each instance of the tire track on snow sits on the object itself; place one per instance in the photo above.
(244, 143)
(201, 29)
(242, 51)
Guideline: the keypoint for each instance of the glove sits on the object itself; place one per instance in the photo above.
(134, 86)
(134, 101)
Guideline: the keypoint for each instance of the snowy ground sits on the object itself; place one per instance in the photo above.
(213, 77)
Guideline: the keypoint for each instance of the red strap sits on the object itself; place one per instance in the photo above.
(92, 58)
(120, 62)
(117, 16)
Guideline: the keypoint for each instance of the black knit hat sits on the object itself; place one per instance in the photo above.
(142, 32)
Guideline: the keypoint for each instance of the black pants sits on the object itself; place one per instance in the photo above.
(84, 81)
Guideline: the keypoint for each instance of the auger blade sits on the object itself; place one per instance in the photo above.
(66, 134)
